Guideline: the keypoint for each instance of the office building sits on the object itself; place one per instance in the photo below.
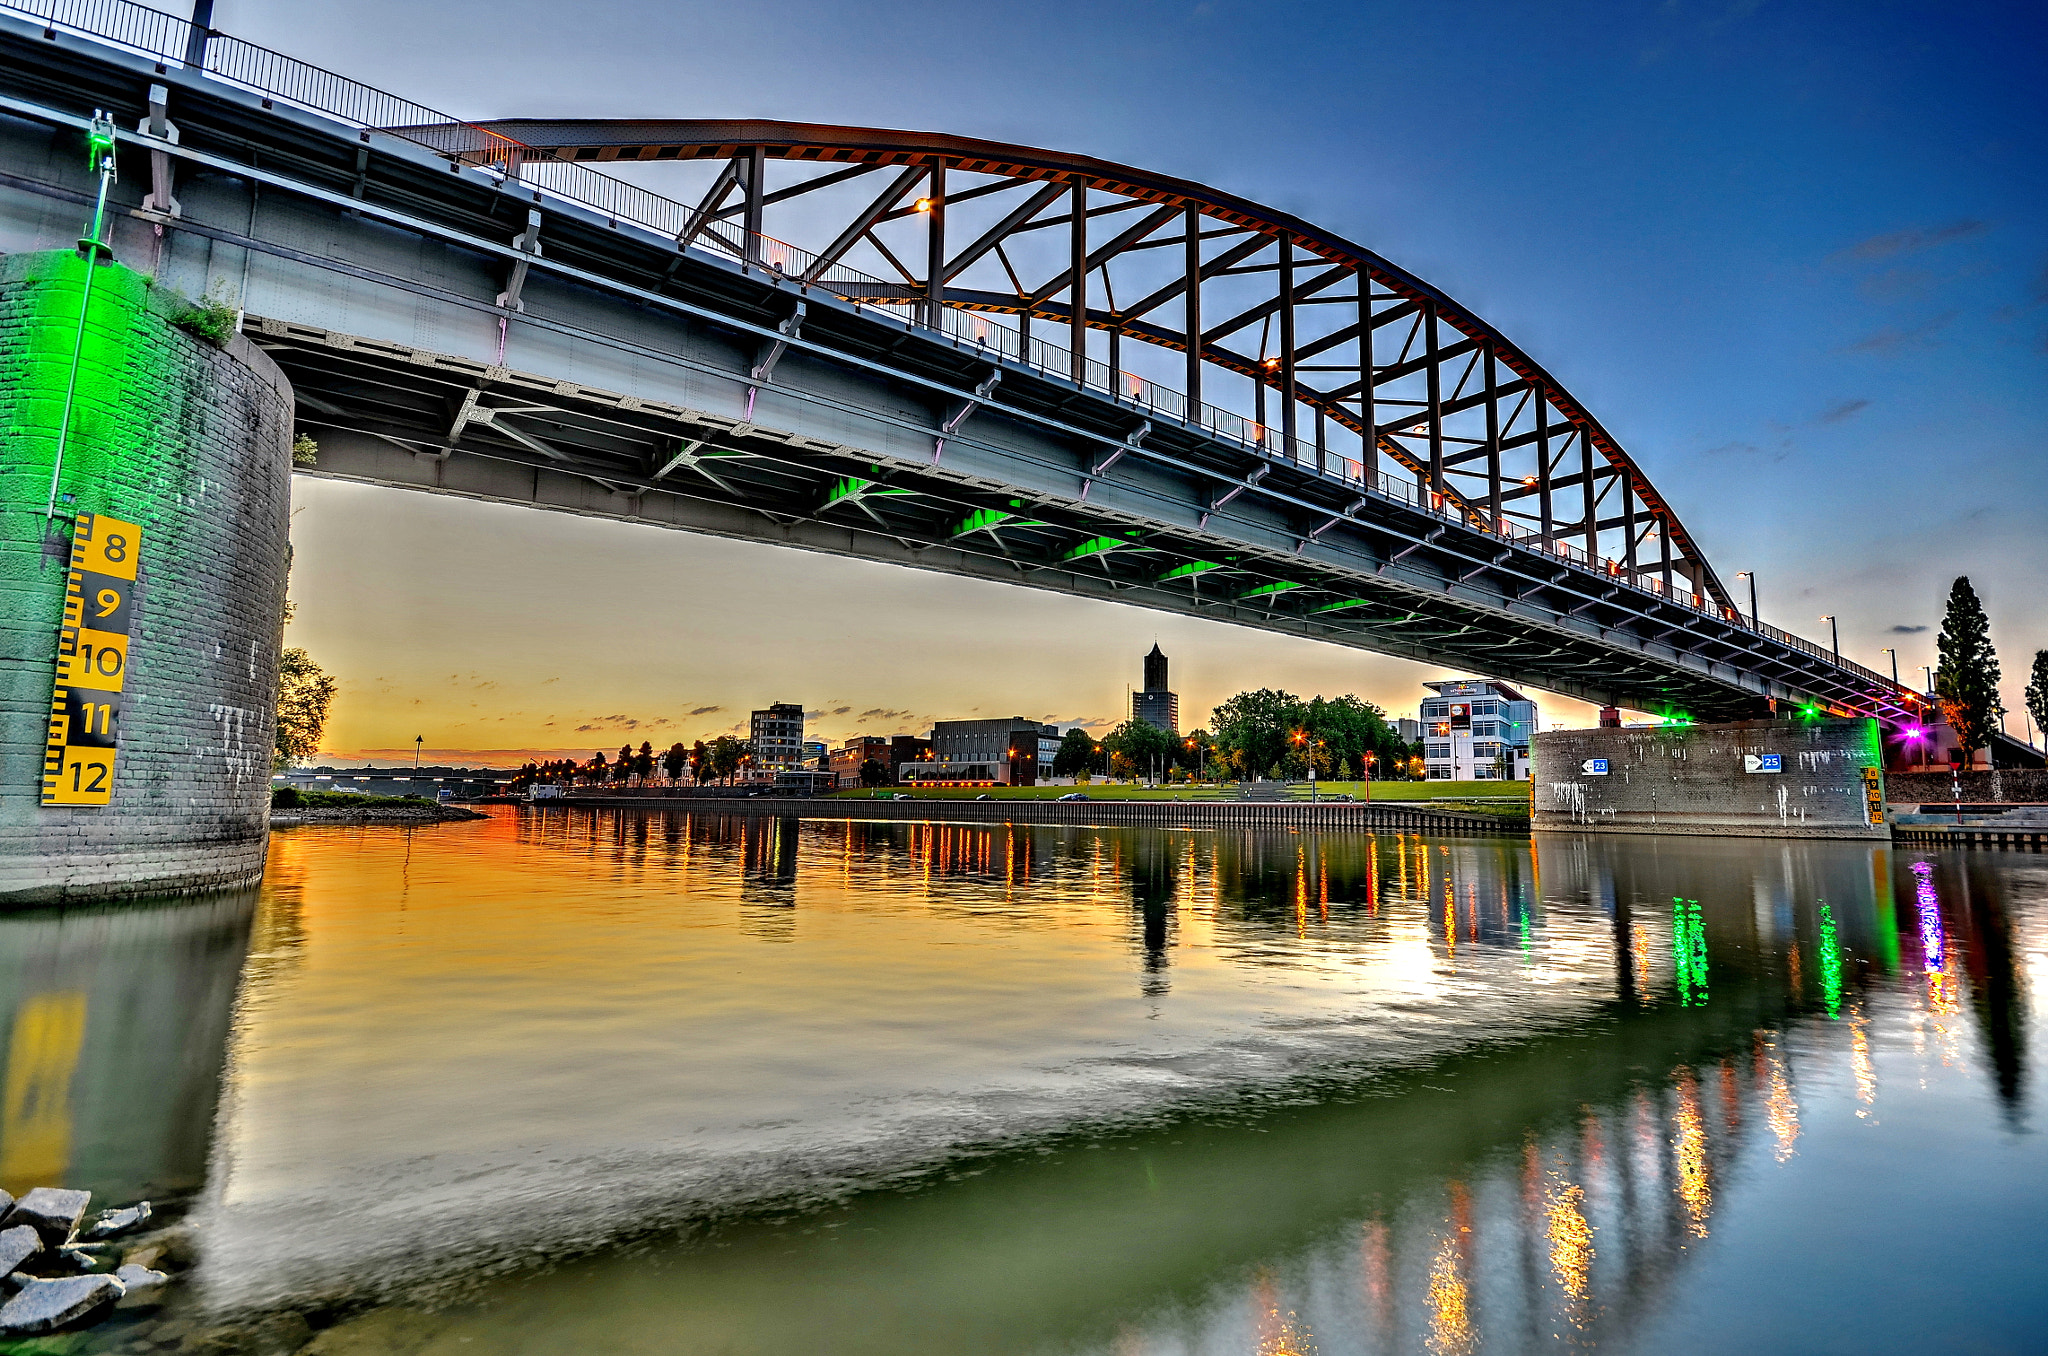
(1154, 704)
(777, 738)
(1476, 730)
(1003, 752)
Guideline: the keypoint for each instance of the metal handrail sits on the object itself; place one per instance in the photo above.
(274, 75)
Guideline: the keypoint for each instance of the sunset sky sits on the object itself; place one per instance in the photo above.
(1794, 256)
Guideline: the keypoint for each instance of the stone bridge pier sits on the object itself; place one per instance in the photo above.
(141, 618)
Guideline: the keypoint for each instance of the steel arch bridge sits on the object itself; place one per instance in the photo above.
(991, 360)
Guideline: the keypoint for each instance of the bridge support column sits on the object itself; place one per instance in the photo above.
(181, 429)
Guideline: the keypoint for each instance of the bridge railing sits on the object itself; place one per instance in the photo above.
(165, 37)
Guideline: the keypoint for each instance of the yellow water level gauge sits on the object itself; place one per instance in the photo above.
(92, 662)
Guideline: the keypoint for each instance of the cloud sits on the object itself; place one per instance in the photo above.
(1891, 339)
(1906, 630)
(877, 713)
(705, 710)
(613, 723)
(1848, 409)
(1913, 240)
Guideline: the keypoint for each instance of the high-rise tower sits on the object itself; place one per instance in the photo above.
(1155, 705)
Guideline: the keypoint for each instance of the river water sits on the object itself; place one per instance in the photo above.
(590, 1082)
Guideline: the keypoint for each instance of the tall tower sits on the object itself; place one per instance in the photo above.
(1155, 705)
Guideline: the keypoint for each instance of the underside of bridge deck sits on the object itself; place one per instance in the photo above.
(475, 311)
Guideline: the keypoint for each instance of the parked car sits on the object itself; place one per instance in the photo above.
(1073, 795)
(984, 796)
(899, 796)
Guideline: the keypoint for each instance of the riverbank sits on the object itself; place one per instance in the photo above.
(1377, 817)
(338, 807)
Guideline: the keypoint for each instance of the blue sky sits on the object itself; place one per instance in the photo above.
(1794, 256)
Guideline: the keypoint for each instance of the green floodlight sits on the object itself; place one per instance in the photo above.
(99, 149)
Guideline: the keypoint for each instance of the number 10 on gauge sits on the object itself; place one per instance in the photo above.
(92, 662)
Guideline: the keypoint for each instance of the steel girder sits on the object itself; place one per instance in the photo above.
(1357, 363)
(1323, 547)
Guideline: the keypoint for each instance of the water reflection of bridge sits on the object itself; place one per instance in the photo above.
(1556, 1181)
(1550, 1188)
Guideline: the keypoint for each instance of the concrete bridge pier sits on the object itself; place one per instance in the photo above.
(1807, 776)
(140, 623)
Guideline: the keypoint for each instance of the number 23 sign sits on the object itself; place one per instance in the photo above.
(92, 662)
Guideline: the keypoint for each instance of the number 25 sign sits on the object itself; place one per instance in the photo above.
(92, 662)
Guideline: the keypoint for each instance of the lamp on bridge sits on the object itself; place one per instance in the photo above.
(1895, 666)
(1835, 634)
(1745, 574)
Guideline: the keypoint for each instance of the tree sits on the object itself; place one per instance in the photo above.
(2037, 693)
(304, 693)
(1966, 684)
(1193, 752)
(674, 761)
(1255, 730)
(727, 754)
(1141, 745)
(643, 761)
(873, 774)
(1077, 753)
(700, 761)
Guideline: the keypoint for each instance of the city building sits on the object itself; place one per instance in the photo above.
(1409, 728)
(850, 757)
(777, 738)
(1471, 726)
(1002, 752)
(816, 753)
(1153, 704)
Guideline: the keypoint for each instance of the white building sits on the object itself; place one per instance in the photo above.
(1471, 726)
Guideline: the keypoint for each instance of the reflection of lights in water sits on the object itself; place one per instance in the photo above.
(1642, 960)
(1830, 965)
(1859, 1059)
(1571, 1239)
(1797, 981)
(1691, 1143)
(1942, 994)
(1689, 951)
(1376, 1262)
(1279, 1334)
(1780, 1105)
(1450, 1322)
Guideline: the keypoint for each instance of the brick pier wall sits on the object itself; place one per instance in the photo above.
(193, 443)
(1692, 779)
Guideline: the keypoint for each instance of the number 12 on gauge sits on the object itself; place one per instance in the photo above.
(92, 662)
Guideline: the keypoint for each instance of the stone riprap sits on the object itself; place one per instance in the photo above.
(1711, 779)
(53, 1212)
(40, 1306)
(192, 442)
(111, 1222)
(44, 1302)
(17, 1245)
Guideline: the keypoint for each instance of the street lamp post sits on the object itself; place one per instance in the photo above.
(1834, 634)
(1895, 666)
(1751, 577)
(417, 740)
